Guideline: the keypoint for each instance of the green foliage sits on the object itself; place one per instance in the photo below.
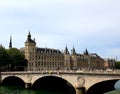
(16, 58)
(15, 55)
(12, 59)
(117, 65)
(4, 57)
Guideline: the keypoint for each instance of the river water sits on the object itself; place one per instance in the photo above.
(18, 90)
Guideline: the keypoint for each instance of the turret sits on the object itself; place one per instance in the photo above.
(29, 47)
(29, 40)
(67, 64)
(86, 52)
(29, 35)
(66, 50)
(73, 52)
(74, 62)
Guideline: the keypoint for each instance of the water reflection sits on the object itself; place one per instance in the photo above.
(18, 90)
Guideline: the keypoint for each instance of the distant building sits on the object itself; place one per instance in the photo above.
(53, 59)
(110, 63)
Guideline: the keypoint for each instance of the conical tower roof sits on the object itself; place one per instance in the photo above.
(66, 50)
(29, 40)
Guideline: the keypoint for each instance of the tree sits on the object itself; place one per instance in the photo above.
(4, 58)
(16, 58)
(117, 65)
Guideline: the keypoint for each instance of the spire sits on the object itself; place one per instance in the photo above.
(73, 51)
(29, 40)
(29, 35)
(86, 52)
(66, 50)
(10, 43)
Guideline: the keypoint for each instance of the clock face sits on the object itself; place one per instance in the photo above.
(105, 87)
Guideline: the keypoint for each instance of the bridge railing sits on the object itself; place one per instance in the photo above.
(64, 72)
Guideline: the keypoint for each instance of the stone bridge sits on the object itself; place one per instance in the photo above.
(76, 79)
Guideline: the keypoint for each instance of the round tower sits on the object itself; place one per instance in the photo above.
(30, 46)
(67, 59)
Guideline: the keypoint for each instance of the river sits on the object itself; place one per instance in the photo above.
(18, 90)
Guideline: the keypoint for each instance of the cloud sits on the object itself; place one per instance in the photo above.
(54, 23)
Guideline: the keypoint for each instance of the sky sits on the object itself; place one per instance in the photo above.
(83, 24)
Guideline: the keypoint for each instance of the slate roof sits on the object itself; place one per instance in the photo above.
(45, 50)
(29, 40)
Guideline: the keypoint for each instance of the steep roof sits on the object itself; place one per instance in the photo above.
(49, 50)
(29, 40)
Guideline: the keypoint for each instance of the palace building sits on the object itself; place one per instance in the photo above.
(54, 59)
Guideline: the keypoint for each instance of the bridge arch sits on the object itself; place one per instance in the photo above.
(102, 87)
(13, 81)
(54, 83)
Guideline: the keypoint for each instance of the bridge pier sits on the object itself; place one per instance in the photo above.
(80, 90)
(27, 85)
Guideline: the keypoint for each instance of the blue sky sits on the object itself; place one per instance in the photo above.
(91, 24)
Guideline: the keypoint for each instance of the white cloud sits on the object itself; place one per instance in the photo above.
(55, 23)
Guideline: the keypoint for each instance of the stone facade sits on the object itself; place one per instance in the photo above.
(54, 59)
